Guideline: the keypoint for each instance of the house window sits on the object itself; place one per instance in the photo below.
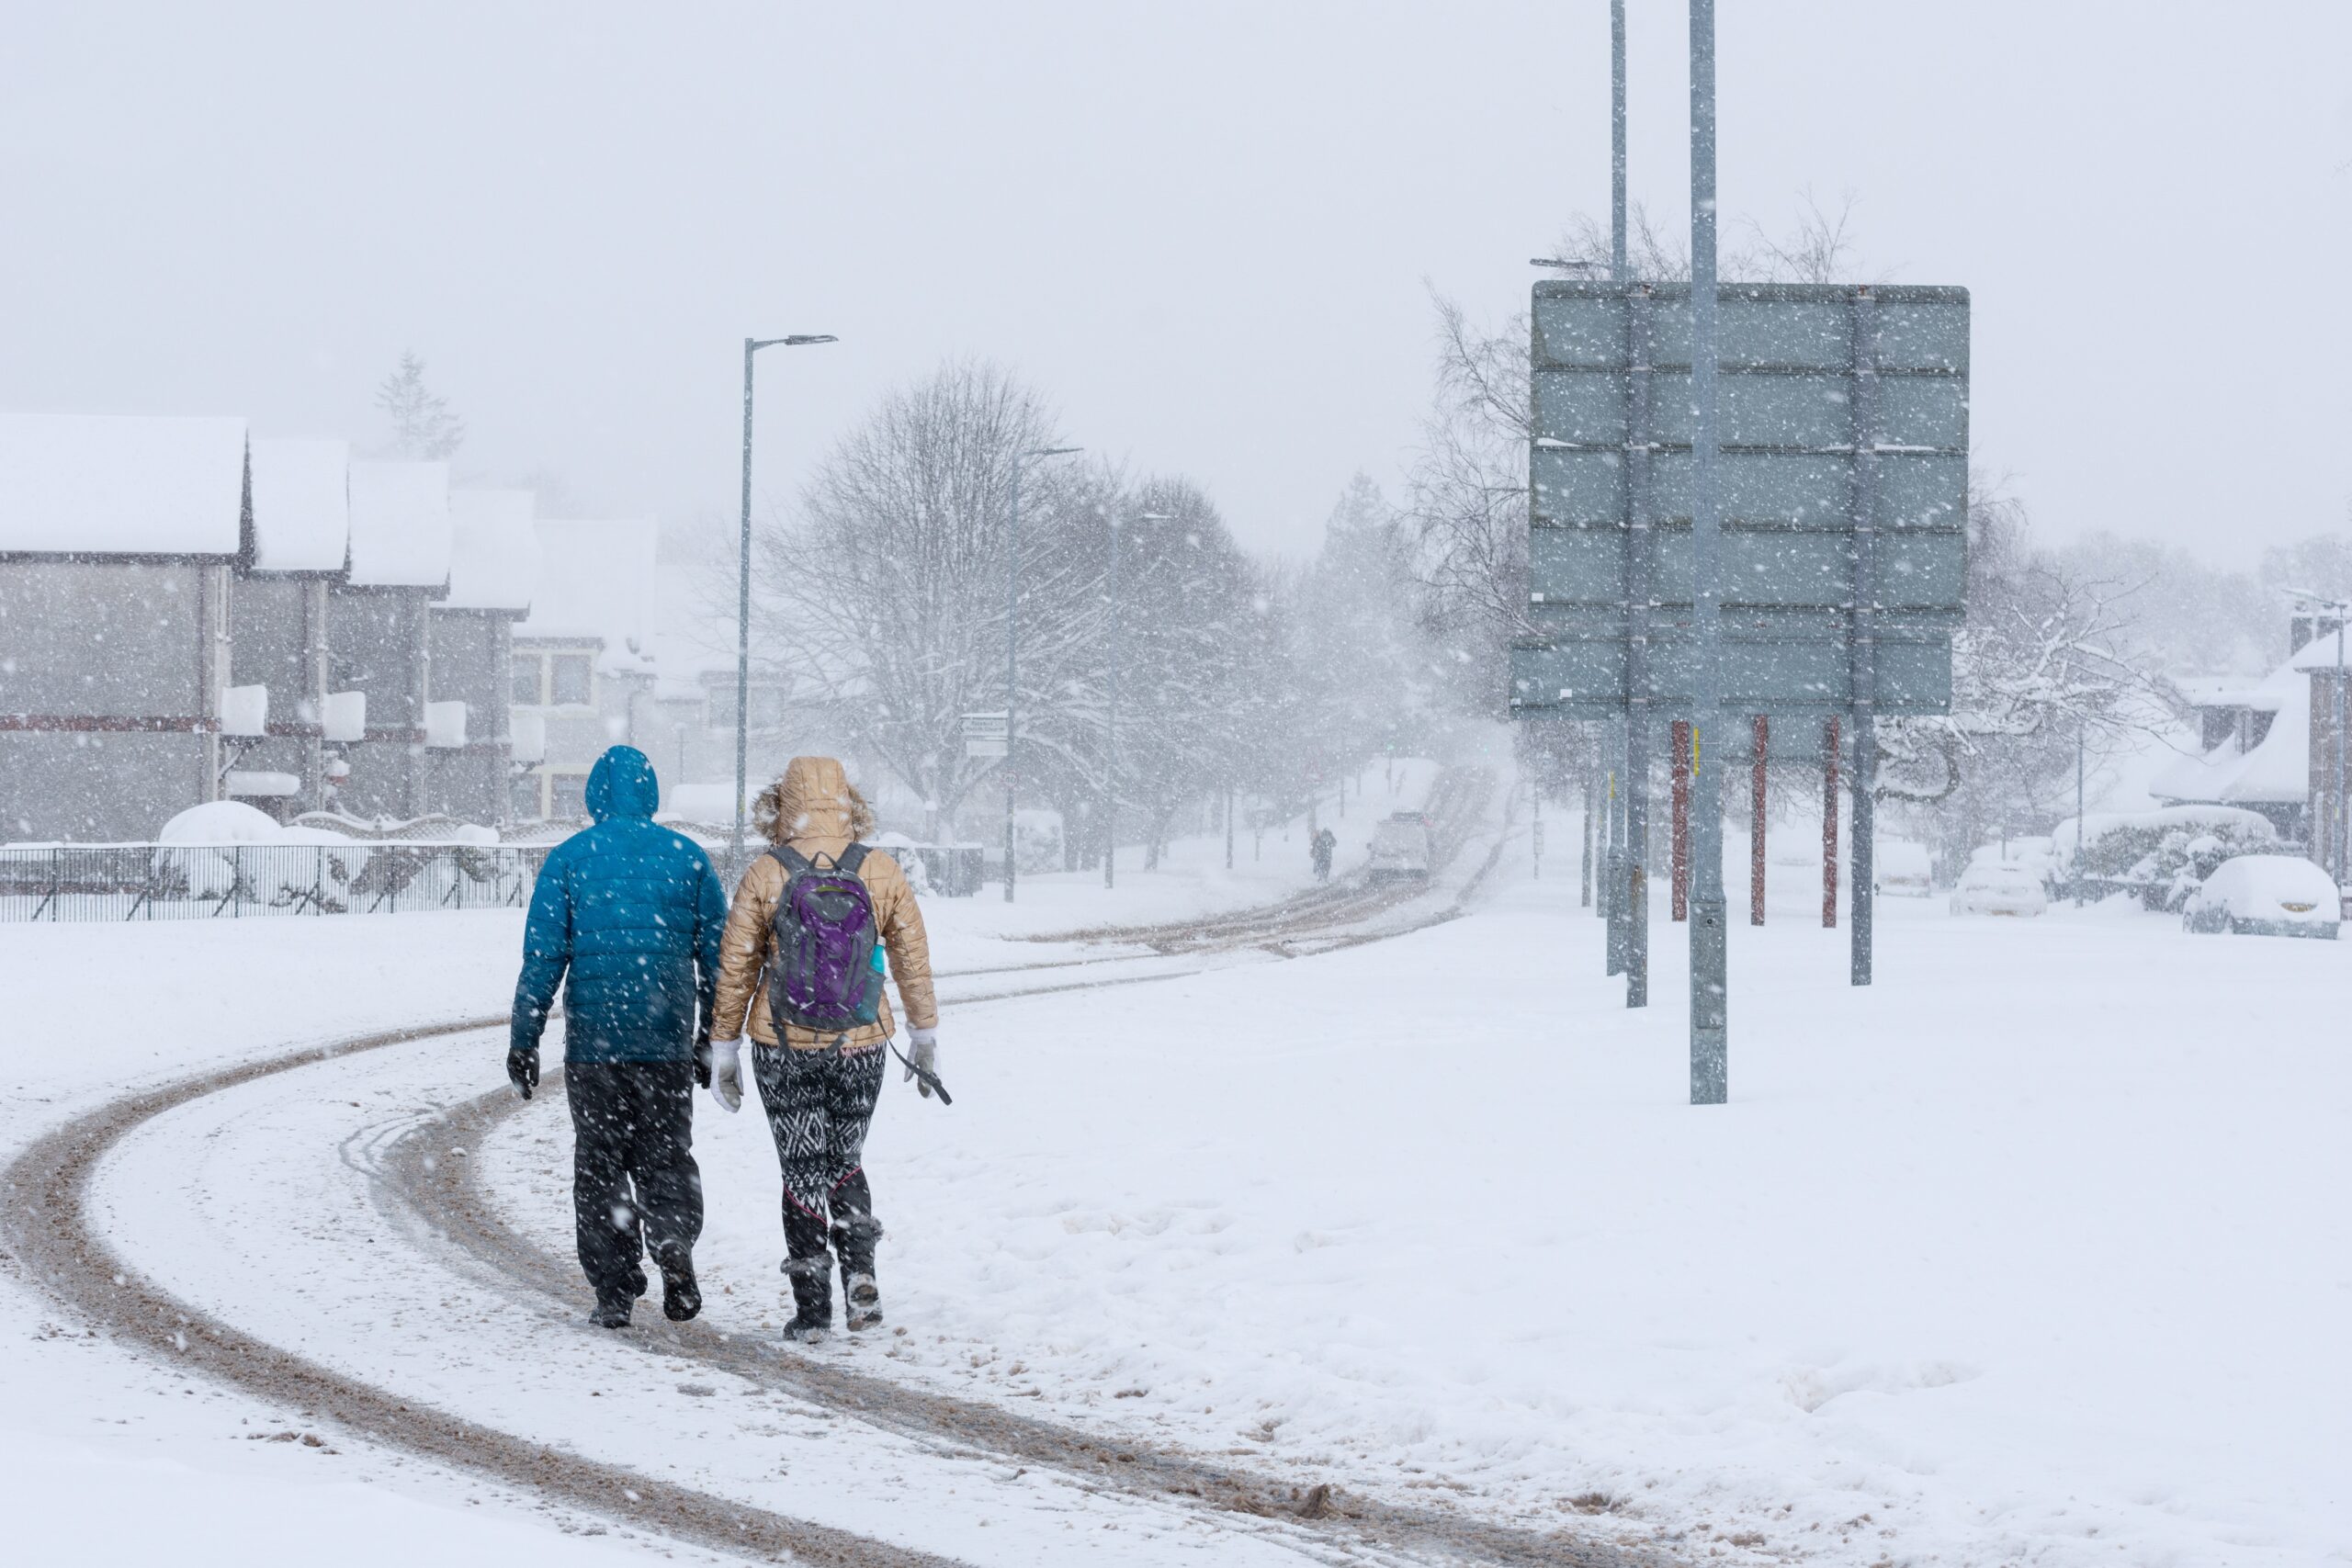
(526, 693)
(573, 683)
(567, 797)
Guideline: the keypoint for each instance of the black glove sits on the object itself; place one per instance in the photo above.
(523, 1069)
(702, 1061)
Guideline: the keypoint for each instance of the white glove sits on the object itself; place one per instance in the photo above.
(925, 1054)
(727, 1074)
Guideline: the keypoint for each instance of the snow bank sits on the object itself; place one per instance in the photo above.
(121, 484)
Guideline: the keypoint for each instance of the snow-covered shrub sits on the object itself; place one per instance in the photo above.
(2164, 855)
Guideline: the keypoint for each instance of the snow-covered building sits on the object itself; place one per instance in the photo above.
(120, 538)
(2267, 744)
(494, 569)
(379, 635)
(275, 711)
(582, 666)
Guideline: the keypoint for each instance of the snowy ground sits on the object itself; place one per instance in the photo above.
(2033, 1252)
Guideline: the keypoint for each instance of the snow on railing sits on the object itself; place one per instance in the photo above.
(184, 882)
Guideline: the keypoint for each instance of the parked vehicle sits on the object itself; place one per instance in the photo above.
(1400, 847)
(2266, 895)
(1903, 869)
(1999, 887)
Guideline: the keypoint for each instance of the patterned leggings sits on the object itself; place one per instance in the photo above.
(819, 1105)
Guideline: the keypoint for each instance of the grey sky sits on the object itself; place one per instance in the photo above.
(1202, 228)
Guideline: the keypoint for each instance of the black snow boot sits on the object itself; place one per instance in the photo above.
(680, 1297)
(813, 1296)
(613, 1309)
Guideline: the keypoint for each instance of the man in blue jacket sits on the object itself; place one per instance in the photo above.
(627, 916)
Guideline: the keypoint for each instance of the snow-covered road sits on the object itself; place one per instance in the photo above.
(2033, 1252)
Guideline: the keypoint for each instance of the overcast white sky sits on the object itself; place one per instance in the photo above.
(1204, 228)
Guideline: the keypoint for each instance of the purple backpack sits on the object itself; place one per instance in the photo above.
(826, 974)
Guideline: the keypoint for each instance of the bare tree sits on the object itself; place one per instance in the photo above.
(888, 594)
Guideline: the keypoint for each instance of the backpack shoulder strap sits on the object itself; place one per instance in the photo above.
(792, 860)
(852, 858)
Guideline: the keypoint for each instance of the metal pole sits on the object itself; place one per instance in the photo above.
(1111, 768)
(744, 631)
(1865, 871)
(2338, 715)
(1228, 824)
(1756, 814)
(1584, 863)
(1012, 658)
(1831, 747)
(1680, 734)
(1709, 995)
(1617, 270)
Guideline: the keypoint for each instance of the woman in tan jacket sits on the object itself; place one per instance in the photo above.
(819, 1086)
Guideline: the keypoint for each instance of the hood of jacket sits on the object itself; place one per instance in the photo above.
(814, 799)
(622, 784)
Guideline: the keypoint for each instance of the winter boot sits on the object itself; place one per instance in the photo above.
(853, 1238)
(613, 1308)
(862, 1300)
(638, 1283)
(813, 1296)
(681, 1296)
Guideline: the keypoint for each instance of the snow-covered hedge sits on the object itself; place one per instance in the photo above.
(2164, 854)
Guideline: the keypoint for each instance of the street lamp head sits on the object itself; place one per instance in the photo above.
(797, 340)
(1155, 517)
(1565, 265)
(1052, 451)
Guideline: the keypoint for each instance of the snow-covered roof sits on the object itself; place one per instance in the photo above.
(494, 551)
(121, 484)
(400, 524)
(2227, 692)
(596, 580)
(302, 504)
(2275, 771)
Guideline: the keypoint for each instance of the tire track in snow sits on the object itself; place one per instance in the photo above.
(48, 1226)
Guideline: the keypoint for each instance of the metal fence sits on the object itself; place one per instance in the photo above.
(198, 882)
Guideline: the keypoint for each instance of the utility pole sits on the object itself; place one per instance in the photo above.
(751, 345)
(1710, 1009)
(1013, 646)
(2082, 742)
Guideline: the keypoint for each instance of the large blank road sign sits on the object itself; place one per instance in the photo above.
(1844, 485)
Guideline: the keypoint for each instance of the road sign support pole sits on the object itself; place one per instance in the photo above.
(1679, 840)
(1865, 639)
(1710, 981)
(1829, 753)
(1756, 809)
(1584, 861)
(1635, 877)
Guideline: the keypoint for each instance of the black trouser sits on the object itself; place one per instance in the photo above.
(819, 1104)
(634, 1182)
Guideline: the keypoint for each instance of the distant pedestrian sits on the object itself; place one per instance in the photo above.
(1321, 848)
(813, 918)
(627, 916)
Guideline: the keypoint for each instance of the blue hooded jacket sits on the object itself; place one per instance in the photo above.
(627, 917)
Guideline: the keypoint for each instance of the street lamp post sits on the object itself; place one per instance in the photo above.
(751, 345)
(1111, 727)
(1012, 641)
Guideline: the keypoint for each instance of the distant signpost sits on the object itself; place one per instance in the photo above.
(1844, 492)
(987, 735)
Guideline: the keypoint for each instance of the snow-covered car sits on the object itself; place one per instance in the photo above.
(1998, 887)
(1400, 847)
(1903, 869)
(2266, 895)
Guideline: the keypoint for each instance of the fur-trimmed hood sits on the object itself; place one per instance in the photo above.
(814, 799)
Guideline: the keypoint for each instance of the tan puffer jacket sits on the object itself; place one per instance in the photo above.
(813, 809)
